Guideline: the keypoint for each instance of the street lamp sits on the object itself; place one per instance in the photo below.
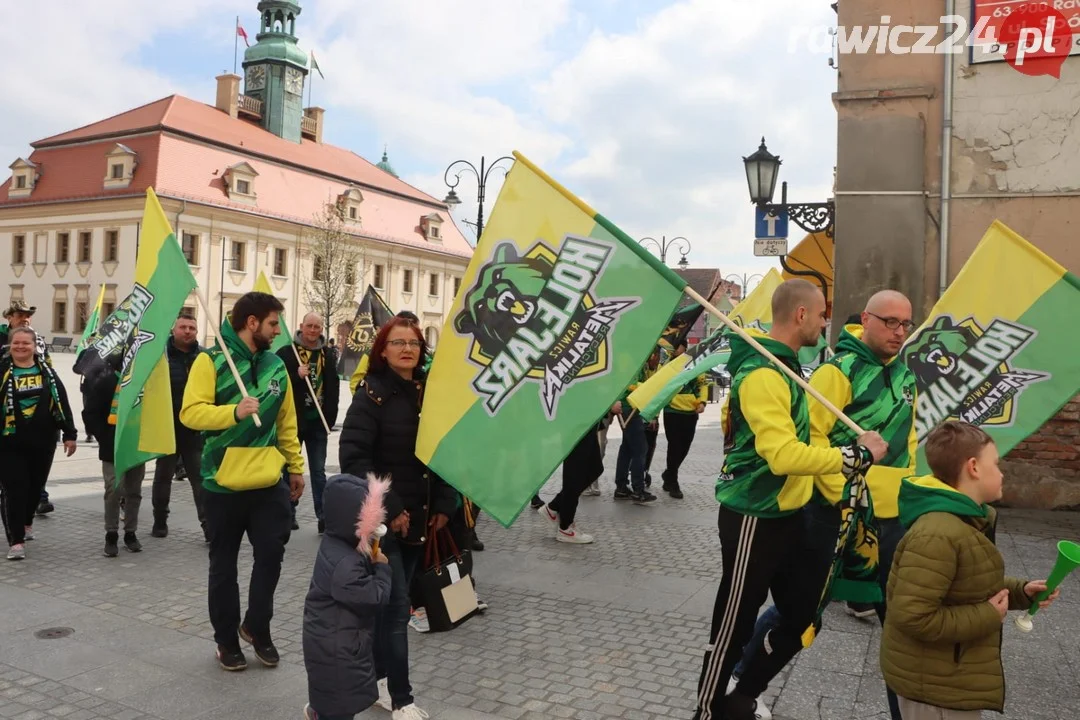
(664, 243)
(744, 282)
(482, 175)
(762, 171)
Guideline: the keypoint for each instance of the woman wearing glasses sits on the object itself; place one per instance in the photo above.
(379, 437)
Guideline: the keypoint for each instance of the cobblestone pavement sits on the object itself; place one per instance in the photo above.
(611, 630)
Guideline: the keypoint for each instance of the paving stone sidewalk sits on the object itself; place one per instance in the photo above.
(611, 630)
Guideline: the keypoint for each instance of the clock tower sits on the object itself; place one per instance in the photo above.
(275, 69)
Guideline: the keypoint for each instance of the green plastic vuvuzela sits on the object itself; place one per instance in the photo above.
(1068, 560)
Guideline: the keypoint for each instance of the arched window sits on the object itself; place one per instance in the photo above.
(279, 21)
(265, 22)
(431, 336)
(292, 24)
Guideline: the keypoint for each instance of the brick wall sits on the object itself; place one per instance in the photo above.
(1057, 444)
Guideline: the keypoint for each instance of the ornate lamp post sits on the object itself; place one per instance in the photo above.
(459, 167)
(665, 243)
(762, 171)
(744, 281)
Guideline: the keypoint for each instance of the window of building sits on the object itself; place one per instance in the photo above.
(190, 246)
(190, 310)
(63, 247)
(352, 213)
(107, 309)
(430, 225)
(433, 284)
(24, 174)
(316, 268)
(120, 164)
(112, 245)
(60, 316)
(457, 286)
(377, 276)
(406, 281)
(348, 204)
(18, 250)
(281, 260)
(20, 182)
(86, 246)
(239, 255)
(243, 187)
(350, 275)
(117, 171)
(434, 230)
(82, 313)
(431, 337)
(240, 182)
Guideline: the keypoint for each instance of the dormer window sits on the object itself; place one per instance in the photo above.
(120, 163)
(430, 226)
(24, 175)
(240, 183)
(349, 204)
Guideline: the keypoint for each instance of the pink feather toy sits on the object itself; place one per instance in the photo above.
(369, 522)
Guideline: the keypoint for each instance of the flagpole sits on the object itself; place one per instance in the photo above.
(310, 388)
(236, 43)
(226, 353)
(784, 368)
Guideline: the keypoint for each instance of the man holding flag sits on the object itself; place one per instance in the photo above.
(241, 468)
(867, 381)
(764, 484)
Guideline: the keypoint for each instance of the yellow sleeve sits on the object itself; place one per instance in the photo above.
(836, 388)
(358, 374)
(765, 402)
(198, 411)
(287, 441)
(703, 390)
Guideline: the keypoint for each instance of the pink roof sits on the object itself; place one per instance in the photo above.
(187, 149)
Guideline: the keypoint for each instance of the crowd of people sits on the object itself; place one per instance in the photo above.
(788, 463)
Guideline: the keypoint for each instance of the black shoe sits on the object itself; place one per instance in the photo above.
(322, 526)
(160, 529)
(648, 480)
(739, 707)
(474, 542)
(263, 647)
(643, 497)
(111, 550)
(295, 525)
(674, 491)
(231, 658)
(132, 543)
(622, 493)
(536, 502)
(45, 507)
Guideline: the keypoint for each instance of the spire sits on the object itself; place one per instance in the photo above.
(385, 165)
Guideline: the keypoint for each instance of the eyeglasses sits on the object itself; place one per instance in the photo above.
(415, 344)
(893, 323)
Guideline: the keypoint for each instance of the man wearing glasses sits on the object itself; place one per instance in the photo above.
(875, 389)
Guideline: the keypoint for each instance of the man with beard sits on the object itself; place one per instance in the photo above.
(243, 487)
(181, 351)
(317, 363)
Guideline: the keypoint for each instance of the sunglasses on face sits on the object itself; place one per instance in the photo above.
(398, 344)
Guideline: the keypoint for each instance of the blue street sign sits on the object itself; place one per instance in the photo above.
(771, 227)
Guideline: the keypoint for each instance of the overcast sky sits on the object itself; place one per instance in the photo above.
(643, 108)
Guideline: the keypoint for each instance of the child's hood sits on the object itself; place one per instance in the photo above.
(927, 494)
(342, 499)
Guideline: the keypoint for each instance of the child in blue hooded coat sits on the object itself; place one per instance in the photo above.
(348, 587)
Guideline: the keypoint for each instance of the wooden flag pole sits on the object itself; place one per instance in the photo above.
(310, 388)
(772, 358)
(226, 353)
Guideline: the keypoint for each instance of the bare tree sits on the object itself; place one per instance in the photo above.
(337, 265)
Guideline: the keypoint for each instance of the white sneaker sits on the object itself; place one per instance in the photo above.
(410, 712)
(572, 535)
(731, 683)
(28, 532)
(418, 621)
(309, 714)
(17, 552)
(593, 490)
(481, 606)
(546, 513)
(760, 711)
(384, 700)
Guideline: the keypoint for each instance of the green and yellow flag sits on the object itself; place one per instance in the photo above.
(559, 310)
(994, 351)
(144, 424)
(263, 285)
(92, 323)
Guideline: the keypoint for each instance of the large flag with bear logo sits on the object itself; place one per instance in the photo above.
(371, 314)
(994, 351)
(559, 310)
(163, 281)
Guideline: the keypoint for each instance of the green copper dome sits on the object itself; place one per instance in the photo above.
(277, 34)
(385, 165)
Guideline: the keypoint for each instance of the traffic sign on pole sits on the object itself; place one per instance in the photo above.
(769, 226)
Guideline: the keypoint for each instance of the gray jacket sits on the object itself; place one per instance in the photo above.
(339, 612)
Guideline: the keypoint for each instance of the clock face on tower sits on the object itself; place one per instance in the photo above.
(256, 77)
(294, 81)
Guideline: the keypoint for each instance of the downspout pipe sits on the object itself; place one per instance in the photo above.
(946, 163)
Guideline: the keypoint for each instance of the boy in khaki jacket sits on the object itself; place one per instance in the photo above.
(948, 594)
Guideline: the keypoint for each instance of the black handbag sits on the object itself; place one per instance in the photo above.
(444, 588)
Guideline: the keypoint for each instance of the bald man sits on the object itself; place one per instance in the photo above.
(764, 485)
(876, 390)
(318, 363)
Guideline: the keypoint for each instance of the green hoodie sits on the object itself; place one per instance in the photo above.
(927, 494)
(768, 461)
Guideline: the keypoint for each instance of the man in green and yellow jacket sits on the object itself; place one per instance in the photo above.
(680, 426)
(244, 491)
(764, 484)
(871, 385)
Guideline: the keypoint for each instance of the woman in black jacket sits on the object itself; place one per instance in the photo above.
(35, 411)
(379, 437)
